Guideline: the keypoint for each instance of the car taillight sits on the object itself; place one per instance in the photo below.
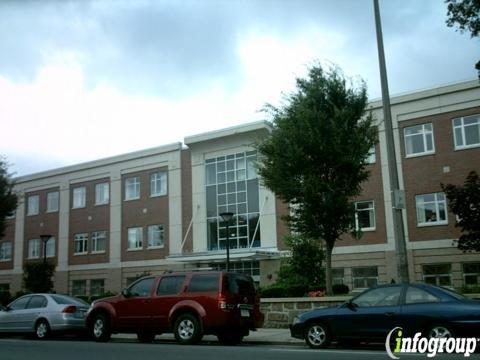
(222, 303)
(70, 309)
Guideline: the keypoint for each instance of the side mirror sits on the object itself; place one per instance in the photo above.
(351, 305)
(126, 293)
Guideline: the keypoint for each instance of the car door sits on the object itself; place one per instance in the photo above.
(371, 315)
(14, 319)
(34, 309)
(133, 309)
(166, 296)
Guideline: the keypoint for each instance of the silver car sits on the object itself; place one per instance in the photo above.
(42, 314)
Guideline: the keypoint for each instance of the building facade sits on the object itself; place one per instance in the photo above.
(150, 211)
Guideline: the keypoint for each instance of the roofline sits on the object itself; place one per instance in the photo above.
(101, 162)
(426, 93)
(233, 130)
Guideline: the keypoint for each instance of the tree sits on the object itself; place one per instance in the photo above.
(465, 14)
(464, 201)
(8, 199)
(315, 157)
(37, 276)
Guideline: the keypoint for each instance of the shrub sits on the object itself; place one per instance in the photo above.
(281, 291)
(470, 290)
(340, 289)
(5, 298)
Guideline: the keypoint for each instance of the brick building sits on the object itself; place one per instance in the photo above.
(157, 209)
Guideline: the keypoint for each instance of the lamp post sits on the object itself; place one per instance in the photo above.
(227, 216)
(45, 239)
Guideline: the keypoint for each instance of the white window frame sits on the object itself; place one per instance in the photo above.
(92, 293)
(424, 133)
(53, 201)
(364, 278)
(102, 193)
(96, 235)
(372, 156)
(370, 209)
(6, 251)
(437, 203)
(136, 232)
(462, 127)
(33, 208)
(151, 232)
(134, 182)
(50, 247)
(34, 249)
(158, 184)
(437, 276)
(465, 274)
(84, 287)
(83, 239)
(79, 197)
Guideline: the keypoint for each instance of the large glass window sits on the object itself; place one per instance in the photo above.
(365, 215)
(438, 274)
(371, 158)
(431, 209)
(97, 287)
(364, 277)
(135, 238)
(6, 251)
(466, 132)
(80, 244)
(471, 274)
(158, 183)
(338, 276)
(132, 188)
(79, 287)
(33, 204)
(50, 247)
(251, 268)
(34, 248)
(52, 201)
(232, 186)
(79, 197)
(102, 193)
(99, 239)
(155, 236)
(419, 140)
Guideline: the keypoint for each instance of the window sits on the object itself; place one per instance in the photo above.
(204, 283)
(37, 302)
(33, 205)
(132, 188)
(135, 238)
(232, 186)
(141, 288)
(170, 285)
(102, 193)
(371, 158)
(364, 277)
(50, 247)
(34, 248)
(365, 215)
(338, 275)
(417, 296)
(384, 296)
(52, 201)
(6, 251)
(438, 274)
(471, 274)
(79, 287)
(97, 287)
(158, 183)
(419, 140)
(98, 241)
(4, 288)
(11, 215)
(431, 209)
(81, 244)
(20, 304)
(466, 132)
(79, 197)
(155, 236)
(251, 268)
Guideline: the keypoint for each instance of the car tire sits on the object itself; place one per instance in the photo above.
(439, 331)
(230, 337)
(145, 336)
(100, 328)
(187, 329)
(42, 330)
(317, 335)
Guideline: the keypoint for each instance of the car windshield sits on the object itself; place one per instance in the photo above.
(67, 300)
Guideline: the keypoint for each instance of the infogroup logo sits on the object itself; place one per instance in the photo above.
(430, 346)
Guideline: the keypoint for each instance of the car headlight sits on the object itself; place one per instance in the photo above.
(296, 320)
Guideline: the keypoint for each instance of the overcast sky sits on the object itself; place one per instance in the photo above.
(81, 80)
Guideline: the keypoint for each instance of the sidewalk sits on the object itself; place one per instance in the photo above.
(261, 336)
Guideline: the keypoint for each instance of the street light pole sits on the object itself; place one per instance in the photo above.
(45, 239)
(227, 216)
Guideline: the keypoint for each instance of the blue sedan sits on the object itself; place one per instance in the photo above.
(370, 316)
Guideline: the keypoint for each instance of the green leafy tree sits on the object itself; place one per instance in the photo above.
(37, 276)
(8, 199)
(315, 157)
(304, 266)
(464, 201)
(465, 15)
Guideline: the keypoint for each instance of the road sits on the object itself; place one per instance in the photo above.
(72, 349)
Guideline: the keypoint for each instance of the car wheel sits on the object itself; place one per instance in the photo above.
(100, 328)
(187, 329)
(439, 331)
(230, 338)
(145, 336)
(317, 336)
(42, 330)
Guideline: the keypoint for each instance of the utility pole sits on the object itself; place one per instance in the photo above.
(397, 196)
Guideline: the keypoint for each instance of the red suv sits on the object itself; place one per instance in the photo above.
(189, 304)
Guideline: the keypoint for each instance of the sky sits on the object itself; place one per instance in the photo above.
(83, 80)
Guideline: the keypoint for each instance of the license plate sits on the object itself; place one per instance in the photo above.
(244, 313)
